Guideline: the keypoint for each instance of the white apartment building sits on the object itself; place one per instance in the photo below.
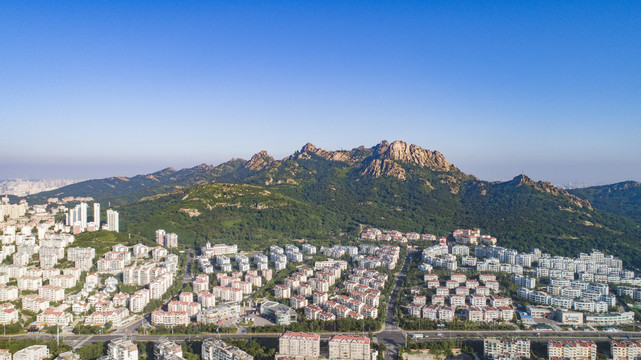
(77, 252)
(34, 352)
(625, 350)
(122, 349)
(169, 318)
(8, 293)
(572, 350)
(30, 283)
(8, 314)
(299, 344)
(52, 293)
(63, 281)
(159, 286)
(112, 266)
(349, 347)
(139, 300)
(34, 303)
(113, 223)
(506, 348)
(214, 349)
(54, 317)
(206, 299)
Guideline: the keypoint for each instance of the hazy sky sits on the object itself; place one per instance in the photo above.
(94, 89)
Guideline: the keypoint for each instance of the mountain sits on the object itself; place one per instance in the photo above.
(121, 190)
(622, 198)
(321, 194)
(317, 193)
(244, 213)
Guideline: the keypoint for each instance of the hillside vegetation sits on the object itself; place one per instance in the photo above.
(224, 212)
(321, 194)
(621, 199)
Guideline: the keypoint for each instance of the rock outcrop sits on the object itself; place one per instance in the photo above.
(546, 187)
(259, 161)
(384, 167)
(309, 149)
(412, 154)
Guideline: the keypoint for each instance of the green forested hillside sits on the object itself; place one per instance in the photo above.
(621, 199)
(122, 190)
(227, 212)
(335, 197)
(315, 193)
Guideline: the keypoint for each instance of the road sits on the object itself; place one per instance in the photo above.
(391, 335)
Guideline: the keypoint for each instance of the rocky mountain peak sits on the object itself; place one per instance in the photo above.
(626, 185)
(413, 154)
(259, 161)
(205, 167)
(547, 187)
(523, 179)
(308, 147)
(384, 167)
(164, 172)
(381, 148)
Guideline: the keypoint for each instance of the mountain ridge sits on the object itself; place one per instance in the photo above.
(390, 185)
(397, 160)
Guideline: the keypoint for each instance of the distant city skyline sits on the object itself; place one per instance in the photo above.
(549, 89)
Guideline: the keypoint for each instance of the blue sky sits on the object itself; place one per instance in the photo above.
(94, 89)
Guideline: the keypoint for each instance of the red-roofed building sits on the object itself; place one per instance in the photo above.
(572, 350)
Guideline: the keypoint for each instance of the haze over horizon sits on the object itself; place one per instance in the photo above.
(93, 90)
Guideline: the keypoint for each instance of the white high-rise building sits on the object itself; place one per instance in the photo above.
(83, 215)
(112, 220)
(72, 216)
(96, 215)
(160, 236)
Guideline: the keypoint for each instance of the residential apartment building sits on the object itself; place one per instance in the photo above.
(167, 350)
(52, 293)
(214, 349)
(506, 348)
(139, 300)
(34, 352)
(54, 317)
(299, 344)
(572, 350)
(625, 350)
(8, 314)
(349, 347)
(169, 318)
(122, 349)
